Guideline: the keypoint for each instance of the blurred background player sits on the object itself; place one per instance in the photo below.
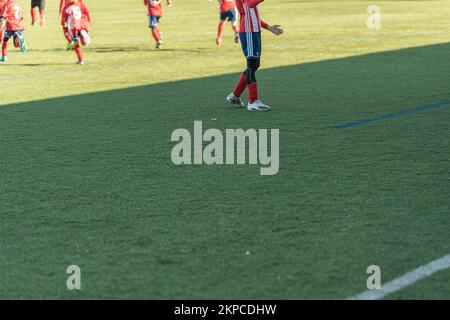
(62, 5)
(155, 12)
(250, 36)
(35, 6)
(12, 19)
(76, 18)
(227, 12)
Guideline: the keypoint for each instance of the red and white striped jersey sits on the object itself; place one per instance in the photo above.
(250, 20)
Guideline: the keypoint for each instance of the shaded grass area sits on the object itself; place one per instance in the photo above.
(87, 180)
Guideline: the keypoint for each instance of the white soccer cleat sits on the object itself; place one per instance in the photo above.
(86, 37)
(237, 102)
(257, 106)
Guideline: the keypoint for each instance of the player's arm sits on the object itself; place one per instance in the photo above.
(86, 12)
(64, 18)
(275, 29)
(4, 15)
(145, 2)
(61, 7)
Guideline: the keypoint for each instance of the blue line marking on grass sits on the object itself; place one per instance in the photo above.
(392, 115)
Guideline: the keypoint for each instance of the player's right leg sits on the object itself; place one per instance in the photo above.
(222, 20)
(42, 12)
(68, 37)
(2, 34)
(7, 35)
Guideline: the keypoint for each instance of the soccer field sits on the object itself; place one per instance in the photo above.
(364, 179)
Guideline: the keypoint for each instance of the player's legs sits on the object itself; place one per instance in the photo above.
(251, 46)
(154, 26)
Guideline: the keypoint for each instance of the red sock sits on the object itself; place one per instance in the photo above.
(42, 12)
(155, 34)
(252, 92)
(4, 48)
(240, 87)
(33, 14)
(79, 53)
(220, 30)
(235, 28)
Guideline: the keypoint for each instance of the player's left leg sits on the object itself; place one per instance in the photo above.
(222, 20)
(220, 32)
(34, 6)
(85, 38)
(33, 16)
(19, 41)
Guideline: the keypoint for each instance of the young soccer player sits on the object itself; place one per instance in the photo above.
(12, 20)
(77, 26)
(250, 36)
(35, 5)
(227, 12)
(155, 12)
(62, 5)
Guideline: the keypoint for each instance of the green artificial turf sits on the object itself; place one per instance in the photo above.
(87, 178)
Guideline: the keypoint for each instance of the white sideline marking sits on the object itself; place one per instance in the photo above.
(405, 280)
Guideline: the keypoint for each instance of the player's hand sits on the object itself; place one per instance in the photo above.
(169, 3)
(276, 30)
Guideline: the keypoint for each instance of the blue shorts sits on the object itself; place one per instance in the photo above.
(229, 15)
(251, 44)
(13, 34)
(153, 21)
